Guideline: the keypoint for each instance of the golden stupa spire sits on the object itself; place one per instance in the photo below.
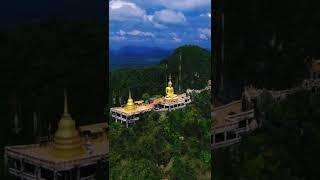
(130, 107)
(65, 111)
(129, 95)
(67, 142)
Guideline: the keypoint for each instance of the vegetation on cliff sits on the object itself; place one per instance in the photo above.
(285, 148)
(175, 145)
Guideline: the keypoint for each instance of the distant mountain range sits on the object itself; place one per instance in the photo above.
(136, 56)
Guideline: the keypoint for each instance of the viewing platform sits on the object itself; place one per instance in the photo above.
(229, 122)
(129, 117)
(179, 102)
(34, 161)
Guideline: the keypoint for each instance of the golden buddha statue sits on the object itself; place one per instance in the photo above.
(130, 106)
(67, 142)
(170, 91)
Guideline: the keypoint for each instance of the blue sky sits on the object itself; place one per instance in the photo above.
(160, 23)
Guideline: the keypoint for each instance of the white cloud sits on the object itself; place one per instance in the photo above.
(183, 4)
(135, 33)
(168, 16)
(148, 18)
(206, 15)
(159, 26)
(204, 33)
(175, 37)
(173, 34)
(123, 10)
(140, 33)
(117, 38)
(121, 33)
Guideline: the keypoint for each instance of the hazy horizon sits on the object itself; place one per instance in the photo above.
(154, 46)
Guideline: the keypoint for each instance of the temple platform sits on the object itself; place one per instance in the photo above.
(34, 161)
(169, 105)
(229, 122)
(123, 116)
(130, 112)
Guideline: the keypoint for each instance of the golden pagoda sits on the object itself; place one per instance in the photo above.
(130, 106)
(170, 91)
(67, 142)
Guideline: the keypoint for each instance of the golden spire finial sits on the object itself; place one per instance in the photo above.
(129, 94)
(65, 102)
(169, 83)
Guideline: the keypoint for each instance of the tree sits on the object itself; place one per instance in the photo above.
(181, 170)
(136, 169)
(146, 97)
(267, 153)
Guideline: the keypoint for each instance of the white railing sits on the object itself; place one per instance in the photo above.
(226, 143)
(88, 178)
(227, 127)
(21, 174)
(55, 165)
(306, 84)
(125, 120)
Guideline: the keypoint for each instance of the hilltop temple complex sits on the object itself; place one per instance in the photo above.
(130, 113)
(248, 113)
(73, 153)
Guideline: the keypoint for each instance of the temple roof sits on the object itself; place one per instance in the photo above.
(40, 155)
(139, 109)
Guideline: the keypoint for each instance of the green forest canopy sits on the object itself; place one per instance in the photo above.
(174, 144)
(287, 147)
